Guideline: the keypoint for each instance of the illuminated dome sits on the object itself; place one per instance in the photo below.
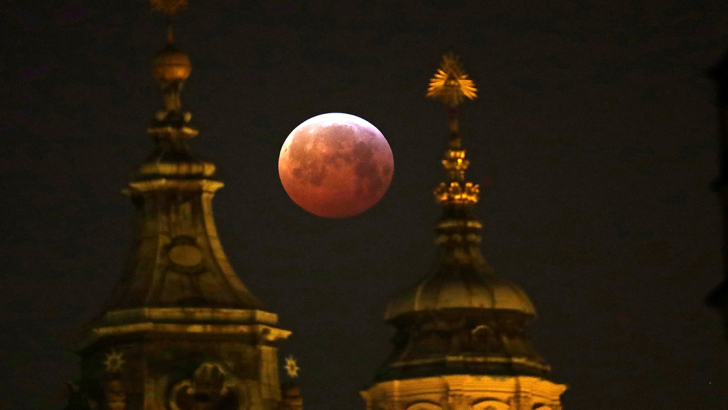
(452, 287)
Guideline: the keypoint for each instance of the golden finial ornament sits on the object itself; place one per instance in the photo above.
(114, 362)
(450, 84)
(171, 68)
(291, 367)
(170, 64)
(168, 7)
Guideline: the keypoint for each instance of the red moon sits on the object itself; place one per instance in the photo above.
(336, 165)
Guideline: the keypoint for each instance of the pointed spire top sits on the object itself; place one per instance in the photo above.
(171, 68)
(451, 86)
(170, 34)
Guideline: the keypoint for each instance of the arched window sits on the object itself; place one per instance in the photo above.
(423, 405)
(491, 404)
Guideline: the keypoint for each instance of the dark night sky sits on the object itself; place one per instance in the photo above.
(594, 139)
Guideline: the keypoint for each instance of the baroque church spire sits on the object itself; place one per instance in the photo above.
(179, 259)
(458, 230)
(460, 341)
(180, 331)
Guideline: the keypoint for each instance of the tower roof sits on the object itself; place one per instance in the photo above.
(461, 319)
(180, 330)
(178, 260)
(454, 287)
(462, 278)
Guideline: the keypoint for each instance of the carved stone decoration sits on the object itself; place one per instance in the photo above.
(484, 339)
(208, 389)
(184, 255)
(391, 405)
(457, 402)
(115, 394)
(291, 397)
(424, 405)
(114, 361)
(489, 404)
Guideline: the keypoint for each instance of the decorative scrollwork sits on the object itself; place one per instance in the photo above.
(208, 389)
(457, 402)
(115, 395)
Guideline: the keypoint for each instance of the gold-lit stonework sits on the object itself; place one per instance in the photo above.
(183, 251)
(185, 255)
(456, 164)
(193, 336)
(465, 392)
(456, 193)
(212, 385)
(179, 169)
(115, 393)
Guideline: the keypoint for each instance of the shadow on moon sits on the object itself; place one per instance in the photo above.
(336, 169)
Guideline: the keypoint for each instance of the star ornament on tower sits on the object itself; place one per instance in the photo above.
(450, 85)
(291, 367)
(114, 362)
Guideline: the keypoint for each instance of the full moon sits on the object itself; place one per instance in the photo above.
(336, 165)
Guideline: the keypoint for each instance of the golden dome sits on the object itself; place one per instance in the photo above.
(453, 287)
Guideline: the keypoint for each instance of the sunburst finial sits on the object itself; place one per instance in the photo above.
(168, 7)
(291, 367)
(114, 362)
(450, 84)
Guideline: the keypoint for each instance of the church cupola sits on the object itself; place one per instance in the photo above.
(460, 340)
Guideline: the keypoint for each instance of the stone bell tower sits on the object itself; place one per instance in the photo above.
(180, 330)
(460, 341)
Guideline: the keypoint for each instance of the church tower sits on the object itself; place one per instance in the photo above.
(460, 341)
(180, 330)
